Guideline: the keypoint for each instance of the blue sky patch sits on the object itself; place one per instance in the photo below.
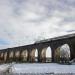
(4, 42)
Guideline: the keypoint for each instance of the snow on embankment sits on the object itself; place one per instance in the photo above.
(6, 68)
(39, 68)
(44, 68)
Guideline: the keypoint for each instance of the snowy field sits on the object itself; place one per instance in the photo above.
(40, 68)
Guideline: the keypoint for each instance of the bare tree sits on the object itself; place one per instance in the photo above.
(65, 53)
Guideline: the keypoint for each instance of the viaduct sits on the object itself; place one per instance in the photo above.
(27, 53)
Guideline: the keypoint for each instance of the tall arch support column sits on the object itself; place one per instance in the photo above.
(2, 57)
(72, 52)
(53, 53)
(5, 57)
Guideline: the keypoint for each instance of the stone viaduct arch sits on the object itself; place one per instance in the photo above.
(27, 53)
(48, 54)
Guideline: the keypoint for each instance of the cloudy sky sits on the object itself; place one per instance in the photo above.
(23, 22)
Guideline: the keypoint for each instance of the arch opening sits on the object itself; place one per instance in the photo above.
(36, 55)
(48, 54)
(24, 56)
(11, 54)
(65, 54)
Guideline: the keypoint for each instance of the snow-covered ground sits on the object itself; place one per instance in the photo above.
(41, 68)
